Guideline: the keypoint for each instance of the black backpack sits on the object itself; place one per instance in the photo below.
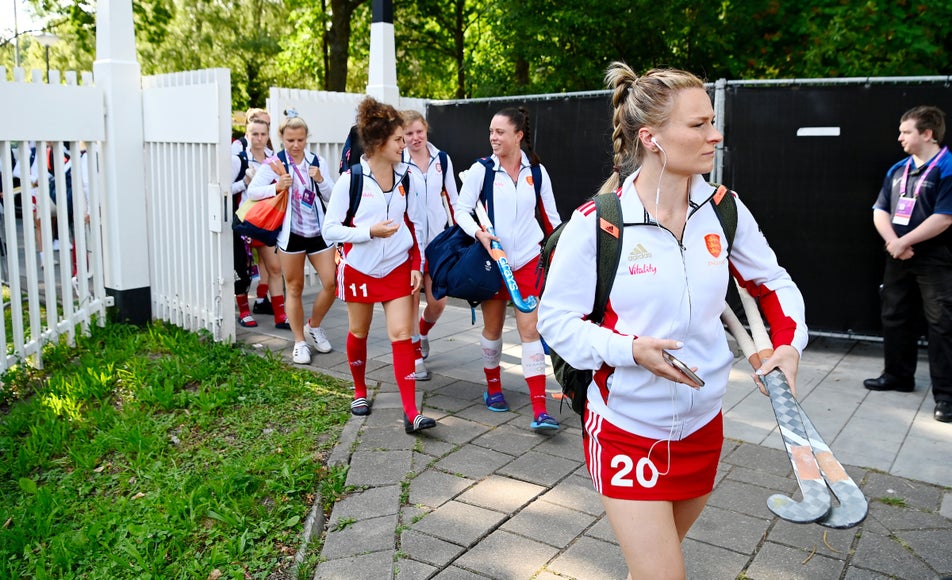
(610, 229)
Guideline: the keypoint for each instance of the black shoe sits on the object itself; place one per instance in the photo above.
(943, 411)
(285, 325)
(887, 382)
(263, 307)
(360, 407)
(419, 423)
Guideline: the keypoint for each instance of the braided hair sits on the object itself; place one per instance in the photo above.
(637, 102)
(519, 117)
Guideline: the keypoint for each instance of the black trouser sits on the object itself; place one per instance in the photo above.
(242, 264)
(911, 288)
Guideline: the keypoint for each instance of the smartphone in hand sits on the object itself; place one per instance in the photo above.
(685, 370)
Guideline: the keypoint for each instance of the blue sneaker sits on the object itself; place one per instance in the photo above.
(544, 423)
(495, 403)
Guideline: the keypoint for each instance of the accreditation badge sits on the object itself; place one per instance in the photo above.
(307, 199)
(904, 211)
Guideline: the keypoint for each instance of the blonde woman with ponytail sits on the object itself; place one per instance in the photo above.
(652, 435)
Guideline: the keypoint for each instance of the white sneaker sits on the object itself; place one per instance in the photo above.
(317, 336)
(421, 373)
(424, 347)
(302, 354)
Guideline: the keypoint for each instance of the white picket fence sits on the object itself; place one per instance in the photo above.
(187, 132)
(55, 116)
(186, 120)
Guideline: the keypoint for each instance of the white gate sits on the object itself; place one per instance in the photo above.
(187, 130)
(47, 264)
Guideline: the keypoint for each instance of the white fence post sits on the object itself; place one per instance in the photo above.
(382, 74)
(125, 236)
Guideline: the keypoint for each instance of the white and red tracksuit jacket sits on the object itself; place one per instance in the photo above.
(514, 205)
(428, 183)
(375, 257)
(666, 290)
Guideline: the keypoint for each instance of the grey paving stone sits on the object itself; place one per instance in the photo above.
(576, 493)
(771, 481)
(888, 556)
(915, 494)
(464, 391)
(406, 569)
(450, 404)
(434, 447)
(602, 530)
(741, 497)
(365, 535)
(568, 444)
(508, 439)
(478, 413)
(829, 542)
(589, 558)
(946, 509)
(760, 458)
(375, 566)
(426, 548)
(341, 453)
(454, 573)
(728, 529)
(706, 561)
(378, 467)
(549, 523)
(459, 523)
(473, 462)
(898, 518)
(776, 562)
(433, 488)
(501, 494)
(539, 468)
(506, 555)
(376, 501)
(456, 430)
(933, 546)
(857, 573)
(383, 438)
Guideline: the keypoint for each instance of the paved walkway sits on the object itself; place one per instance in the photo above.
(482, 496)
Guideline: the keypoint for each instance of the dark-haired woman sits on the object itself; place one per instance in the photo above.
(520, 233)
(652, 437)
(381, 260)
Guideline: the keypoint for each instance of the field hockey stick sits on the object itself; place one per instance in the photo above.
(853, 506)
(816, 501)
(496, 252)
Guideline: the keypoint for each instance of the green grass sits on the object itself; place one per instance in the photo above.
(157, 453)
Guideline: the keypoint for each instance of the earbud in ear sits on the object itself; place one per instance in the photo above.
(653, 140)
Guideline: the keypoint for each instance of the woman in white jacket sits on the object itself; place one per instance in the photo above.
(520, 233)
(305, 176)
(652, 437)
(381, 259)
(431, 178)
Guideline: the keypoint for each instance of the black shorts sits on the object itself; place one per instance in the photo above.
(298, 244)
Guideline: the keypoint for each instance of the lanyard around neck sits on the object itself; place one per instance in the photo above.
(905, 175)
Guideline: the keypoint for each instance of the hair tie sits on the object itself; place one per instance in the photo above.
(291, 113)
(616, 169)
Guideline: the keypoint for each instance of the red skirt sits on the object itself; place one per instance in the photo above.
(626, 466)
(355, 286)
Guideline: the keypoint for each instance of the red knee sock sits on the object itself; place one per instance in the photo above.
(493, 382)
(357, 359)
(417, 349)
(262, 291)
(403, 367)
(425, 326)
(277, 303)
(242, 301)
(537, 394)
